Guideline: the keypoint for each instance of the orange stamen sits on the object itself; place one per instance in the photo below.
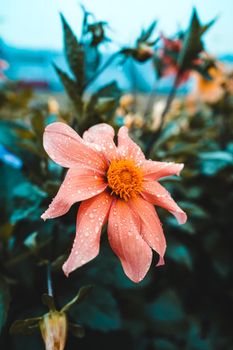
(124, 178)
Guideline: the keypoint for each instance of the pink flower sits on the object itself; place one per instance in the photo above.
(169, 55)
(115, 184)
(3, 66)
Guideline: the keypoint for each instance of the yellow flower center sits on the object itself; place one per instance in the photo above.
(124, 178)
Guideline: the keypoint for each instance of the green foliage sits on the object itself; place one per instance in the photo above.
(74, 55)
(71, 89)
(4, 301)
(76, 330)
(184, 52)
(54, 319)
(26, 326)
(103, 314)
(26, 199)
(146, 34)
(192, 45)
(102, 105)
(143, 50)
(83, 58)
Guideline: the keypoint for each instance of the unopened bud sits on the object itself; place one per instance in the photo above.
(53, 327)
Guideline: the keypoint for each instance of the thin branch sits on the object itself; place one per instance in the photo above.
(171, 97)
(49, 279)
(151, 98)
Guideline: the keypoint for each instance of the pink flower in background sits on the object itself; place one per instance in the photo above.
(115, 184)
(169, 56)
(3, 66)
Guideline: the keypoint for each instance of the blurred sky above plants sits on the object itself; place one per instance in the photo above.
(35, 24)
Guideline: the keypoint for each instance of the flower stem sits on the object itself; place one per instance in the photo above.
(152, 95)
(49, 279)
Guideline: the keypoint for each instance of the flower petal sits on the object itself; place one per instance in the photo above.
(100, 129)
(92, 215)
(65, 147)
(127, 243)
(127, 148)
(153, 170)
(151, 228)
(161, 262)
(155, 193)
(102, 135)
(79, 184)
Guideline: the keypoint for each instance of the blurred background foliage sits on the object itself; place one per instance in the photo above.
(187, 304)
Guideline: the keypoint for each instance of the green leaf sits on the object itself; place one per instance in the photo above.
(109, 90)
(206, 27)
(8, 178)
(212, 162)
(31, 241)
(166, 308)
(170, 130)
(82, 294)
(71, 89)
(108, 271)
(102, 313)
(11, 132)
(26, 199)
(180, 254)
(77, 330)
(146, 34)
(192, 43)
(26, 326)
(86, 14)
(74, 54)
(110, 93)
(193, 210)
(4, 301)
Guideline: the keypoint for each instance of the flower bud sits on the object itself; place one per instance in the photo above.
(53, 327)
(144, 52)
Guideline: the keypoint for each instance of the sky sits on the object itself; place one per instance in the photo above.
(36, 23)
